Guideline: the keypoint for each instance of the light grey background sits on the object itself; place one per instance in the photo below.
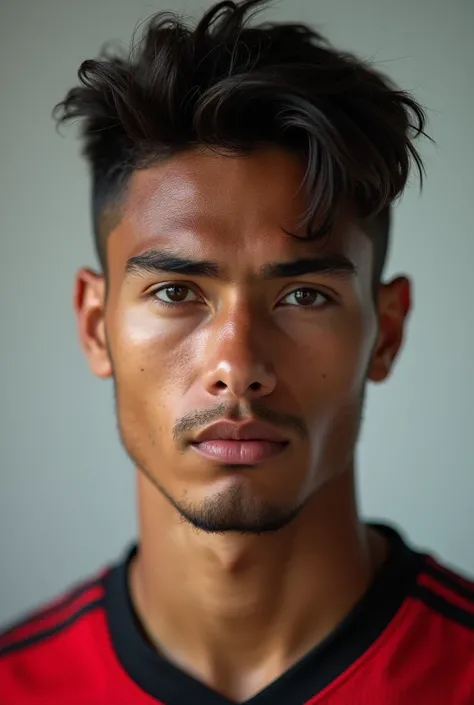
(66, 488)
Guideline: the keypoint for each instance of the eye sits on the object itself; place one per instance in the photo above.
(306, 297)
(174, 295)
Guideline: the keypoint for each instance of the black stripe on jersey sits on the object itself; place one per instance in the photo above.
(444, 607)
(38, 614)
(47, 633)
(450, 581)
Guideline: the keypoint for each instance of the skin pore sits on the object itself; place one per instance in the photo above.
(235, 604)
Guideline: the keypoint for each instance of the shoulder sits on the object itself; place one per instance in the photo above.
(53, 618)
(44, 646)
(434, 636)
(446, 594)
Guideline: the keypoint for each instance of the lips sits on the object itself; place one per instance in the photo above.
(250, 431)
(239, 444)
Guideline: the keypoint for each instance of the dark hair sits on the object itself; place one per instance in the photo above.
(225, 84)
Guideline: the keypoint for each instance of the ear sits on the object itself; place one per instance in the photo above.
(393, 307)
(89, 306)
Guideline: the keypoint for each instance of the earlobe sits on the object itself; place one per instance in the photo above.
(89, 306)
(394, 304)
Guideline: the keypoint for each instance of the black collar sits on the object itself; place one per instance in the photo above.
(314, 672)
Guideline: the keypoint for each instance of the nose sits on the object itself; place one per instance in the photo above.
(237, 365)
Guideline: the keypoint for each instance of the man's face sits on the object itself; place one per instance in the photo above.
(238, 338)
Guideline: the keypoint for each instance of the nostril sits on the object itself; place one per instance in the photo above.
(221, 385)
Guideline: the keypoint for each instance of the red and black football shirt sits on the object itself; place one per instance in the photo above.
(409, 641)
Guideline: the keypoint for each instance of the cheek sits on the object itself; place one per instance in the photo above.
(144, 343)
(153, 360)
(334, 362)
(333, 397)
(137, 343)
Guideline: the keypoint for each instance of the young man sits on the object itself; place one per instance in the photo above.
(242, 185)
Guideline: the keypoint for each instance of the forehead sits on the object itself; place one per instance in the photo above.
(225, 205)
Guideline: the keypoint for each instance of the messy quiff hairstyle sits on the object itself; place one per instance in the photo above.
(230, 86)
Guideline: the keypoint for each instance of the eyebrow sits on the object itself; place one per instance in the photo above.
(156, 261)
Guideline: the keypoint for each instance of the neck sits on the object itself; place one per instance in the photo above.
(236, 611)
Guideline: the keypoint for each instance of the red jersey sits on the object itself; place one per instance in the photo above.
(409, 641)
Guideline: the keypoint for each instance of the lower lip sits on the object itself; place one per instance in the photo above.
(239, 452)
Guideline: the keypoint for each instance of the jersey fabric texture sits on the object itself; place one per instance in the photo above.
(408, 641)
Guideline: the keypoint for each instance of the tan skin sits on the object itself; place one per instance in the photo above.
(236, 609)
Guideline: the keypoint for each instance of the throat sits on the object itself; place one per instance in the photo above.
(266, 614)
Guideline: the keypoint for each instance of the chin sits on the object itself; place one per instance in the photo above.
(236, 508)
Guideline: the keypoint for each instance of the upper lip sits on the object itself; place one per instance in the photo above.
(249, 431)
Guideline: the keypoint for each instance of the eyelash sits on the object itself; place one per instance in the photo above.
(153, 295)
